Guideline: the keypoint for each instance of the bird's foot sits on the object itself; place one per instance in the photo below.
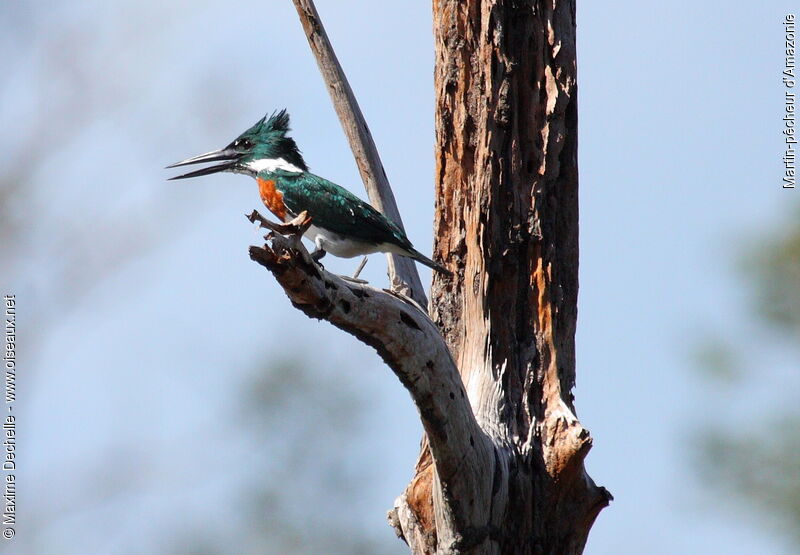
(317, 255)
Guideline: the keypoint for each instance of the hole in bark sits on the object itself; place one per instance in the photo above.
(471, 441)
(345, 306)
(452, 395)
(429, 364)
(360, 293)
(407, 320)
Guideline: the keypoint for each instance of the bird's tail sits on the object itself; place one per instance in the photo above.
(419, 257)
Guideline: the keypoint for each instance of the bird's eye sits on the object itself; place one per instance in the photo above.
(242, 143)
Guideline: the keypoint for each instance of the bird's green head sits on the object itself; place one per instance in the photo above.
(265, 146)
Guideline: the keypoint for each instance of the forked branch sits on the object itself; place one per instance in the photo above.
(404, 336)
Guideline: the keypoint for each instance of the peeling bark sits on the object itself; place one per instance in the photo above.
(507, 218)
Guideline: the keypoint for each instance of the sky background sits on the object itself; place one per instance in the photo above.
(145, 328)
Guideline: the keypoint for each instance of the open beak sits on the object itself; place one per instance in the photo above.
(229, 155)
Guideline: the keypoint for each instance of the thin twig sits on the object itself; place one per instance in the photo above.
(366, 154)
(360, 267)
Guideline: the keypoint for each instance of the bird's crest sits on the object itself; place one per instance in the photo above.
(270, 140)
(277, 122)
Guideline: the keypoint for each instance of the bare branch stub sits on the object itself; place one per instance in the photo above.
(297, 226)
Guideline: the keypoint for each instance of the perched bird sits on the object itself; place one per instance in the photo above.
(341, 223)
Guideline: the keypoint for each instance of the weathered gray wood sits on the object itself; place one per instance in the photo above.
(403, 273)
(411, 345)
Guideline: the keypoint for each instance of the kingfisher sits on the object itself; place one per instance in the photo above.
(341, 223)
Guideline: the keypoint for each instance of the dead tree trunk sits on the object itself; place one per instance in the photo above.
(507, 219)
(491, 371)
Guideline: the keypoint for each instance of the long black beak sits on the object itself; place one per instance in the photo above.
(228, 154)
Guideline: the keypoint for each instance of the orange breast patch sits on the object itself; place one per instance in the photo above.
(272, 197)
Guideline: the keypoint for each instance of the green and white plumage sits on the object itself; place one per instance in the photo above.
(342, 223)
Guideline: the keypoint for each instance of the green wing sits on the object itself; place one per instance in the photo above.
(338, 210)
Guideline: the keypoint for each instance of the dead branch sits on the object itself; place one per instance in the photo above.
(403, 273)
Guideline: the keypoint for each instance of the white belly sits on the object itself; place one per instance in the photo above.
(338, 245)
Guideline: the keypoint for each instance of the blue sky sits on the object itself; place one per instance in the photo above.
(134, 383)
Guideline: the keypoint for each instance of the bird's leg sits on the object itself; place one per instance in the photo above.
(317, 255)
(360, 267)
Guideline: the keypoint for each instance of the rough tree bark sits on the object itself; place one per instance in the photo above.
(491, 371)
